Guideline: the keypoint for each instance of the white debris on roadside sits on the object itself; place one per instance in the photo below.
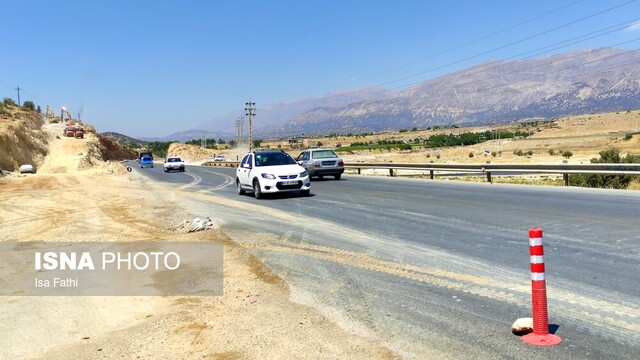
(522, 326)
(196, 224)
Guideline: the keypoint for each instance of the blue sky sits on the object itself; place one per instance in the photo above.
(151, 68)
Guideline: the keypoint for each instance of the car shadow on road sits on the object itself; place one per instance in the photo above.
(282, 196)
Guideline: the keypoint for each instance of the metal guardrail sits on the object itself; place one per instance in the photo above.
(488, 169)
(221, 163)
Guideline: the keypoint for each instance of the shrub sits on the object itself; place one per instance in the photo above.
(609, 156)
(30, 105)
(494, 154)
(529, 152)
(552, 152)
(9, 101)
(518, 152)
(403, 130)
(470, 154)
(567, 154)
(628, 136)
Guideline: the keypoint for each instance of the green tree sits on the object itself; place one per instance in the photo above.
(256, 143)
(30, 105)
(567, 154)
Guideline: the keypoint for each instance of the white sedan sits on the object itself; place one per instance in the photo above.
(173, 163)
(271, 172)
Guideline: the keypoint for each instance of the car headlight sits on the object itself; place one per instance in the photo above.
(268, 176)
(304, 174)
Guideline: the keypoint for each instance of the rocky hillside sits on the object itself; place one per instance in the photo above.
(21, 141)
(589, 81)
(122, 139)
(26, 139)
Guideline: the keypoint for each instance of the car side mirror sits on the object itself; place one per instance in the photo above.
(300, 162)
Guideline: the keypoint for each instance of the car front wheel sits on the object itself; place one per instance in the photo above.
(257, 192)
(305, 192)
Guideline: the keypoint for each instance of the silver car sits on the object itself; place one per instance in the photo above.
(321, 162)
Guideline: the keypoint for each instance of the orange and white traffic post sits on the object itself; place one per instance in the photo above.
(540, 335)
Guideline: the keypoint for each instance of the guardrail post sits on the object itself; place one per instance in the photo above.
(431, 174)
(540, 335)
(565, 177)
(391, 172)
(489, 176)
(359, 173)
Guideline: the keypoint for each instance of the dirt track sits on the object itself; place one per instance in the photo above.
(253, 319)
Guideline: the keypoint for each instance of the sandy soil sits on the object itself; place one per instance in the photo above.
(67, 201)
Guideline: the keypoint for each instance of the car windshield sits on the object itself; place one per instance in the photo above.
(146, 159)
(174, 160)
(324, 154)
(276, 158)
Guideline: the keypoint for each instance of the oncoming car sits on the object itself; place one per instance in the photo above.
(146, 161)
(321, 162)
(265, 172)
(173, 163)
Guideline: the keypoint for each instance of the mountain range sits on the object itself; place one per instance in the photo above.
(586, 81)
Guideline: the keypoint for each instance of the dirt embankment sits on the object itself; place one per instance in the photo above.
(25, 138)
(190, 152)
(197, 154)
(21, 140)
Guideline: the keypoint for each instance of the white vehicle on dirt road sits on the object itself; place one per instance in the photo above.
(271, 172)
(173, 163)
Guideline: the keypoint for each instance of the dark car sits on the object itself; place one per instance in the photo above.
(321, 162)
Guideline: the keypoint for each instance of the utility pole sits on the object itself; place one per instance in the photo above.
(250, 112)
(239, 123)
(18, 90)
(242, 129)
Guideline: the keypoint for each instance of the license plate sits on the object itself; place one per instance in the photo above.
(295, 182)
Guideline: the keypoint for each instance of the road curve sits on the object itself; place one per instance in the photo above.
(438, 268)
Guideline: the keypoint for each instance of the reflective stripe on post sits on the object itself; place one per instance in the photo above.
(540, 335)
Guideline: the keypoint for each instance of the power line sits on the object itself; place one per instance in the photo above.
(508, 44)
(486, 69)
(18, 90)
(454, 47)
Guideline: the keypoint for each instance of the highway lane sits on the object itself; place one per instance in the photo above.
(442, 258)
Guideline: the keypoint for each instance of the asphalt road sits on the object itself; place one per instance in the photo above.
(439, 268)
